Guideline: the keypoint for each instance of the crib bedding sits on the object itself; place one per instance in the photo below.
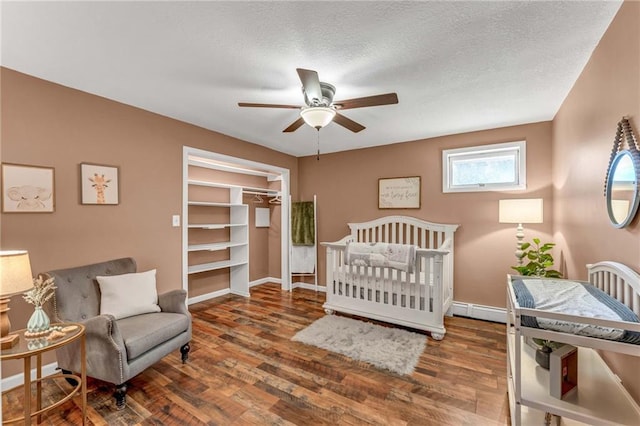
(395, 256)
(573, 298)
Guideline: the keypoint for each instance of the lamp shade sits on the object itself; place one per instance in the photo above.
(15, 272)
(529, 210)
(317, 117)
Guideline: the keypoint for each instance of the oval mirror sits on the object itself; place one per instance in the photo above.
(622, 188)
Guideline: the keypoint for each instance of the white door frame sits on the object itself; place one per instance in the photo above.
(275, 173)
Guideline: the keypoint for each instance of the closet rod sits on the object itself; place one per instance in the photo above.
(265, 192)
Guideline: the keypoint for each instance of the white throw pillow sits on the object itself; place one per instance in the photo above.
(127, 295)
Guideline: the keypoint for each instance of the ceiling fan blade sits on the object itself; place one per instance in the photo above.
(248, 104)
(311, 84)
(367, 101)
(348, 123)
(294, 126)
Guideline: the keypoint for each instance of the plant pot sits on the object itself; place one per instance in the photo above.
(542, 357)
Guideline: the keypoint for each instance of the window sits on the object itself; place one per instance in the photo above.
(484, 168)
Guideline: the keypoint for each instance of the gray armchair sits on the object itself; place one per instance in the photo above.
(117, 350)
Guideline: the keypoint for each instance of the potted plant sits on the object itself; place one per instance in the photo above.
(543, 351)
(540, 260)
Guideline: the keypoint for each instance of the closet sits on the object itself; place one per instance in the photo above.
(218, 201)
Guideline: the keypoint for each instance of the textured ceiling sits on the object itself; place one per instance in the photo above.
(456, 66)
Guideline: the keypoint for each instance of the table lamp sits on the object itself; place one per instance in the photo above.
(15, 277)
(524, 210)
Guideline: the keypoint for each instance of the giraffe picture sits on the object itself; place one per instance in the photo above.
(99, 184)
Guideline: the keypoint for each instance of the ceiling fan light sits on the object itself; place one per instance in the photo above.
(317, 117)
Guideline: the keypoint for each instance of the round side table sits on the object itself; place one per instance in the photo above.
(28, 348)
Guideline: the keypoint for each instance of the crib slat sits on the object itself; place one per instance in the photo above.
(628, 295)
(408, 234)
(620, 289)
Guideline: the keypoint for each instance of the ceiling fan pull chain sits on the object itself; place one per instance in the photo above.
(318, 155)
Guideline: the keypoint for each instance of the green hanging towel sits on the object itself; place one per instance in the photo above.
(303, 231)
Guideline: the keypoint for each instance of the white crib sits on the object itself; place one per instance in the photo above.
(419, 299)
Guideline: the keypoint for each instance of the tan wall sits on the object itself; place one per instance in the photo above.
(346, 184)
(583, 132)
(51, 125)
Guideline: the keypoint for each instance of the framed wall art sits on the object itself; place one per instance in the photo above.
(99, 184)
(399, 193)
(27, 189)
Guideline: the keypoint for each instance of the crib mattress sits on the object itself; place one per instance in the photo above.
(573, 298)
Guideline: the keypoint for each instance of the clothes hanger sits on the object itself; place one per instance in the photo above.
(275, 200)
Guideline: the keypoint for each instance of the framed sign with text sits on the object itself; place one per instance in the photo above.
(399, 193)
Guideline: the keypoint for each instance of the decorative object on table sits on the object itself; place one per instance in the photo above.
(563, 372)
(390, 348)
(15, 277)
(622, 181)
(99, 184)
(43, 290)
(68, 328)
(55, 334)
(526, 210)
(539, 260)
(27, 189)
(399, 193)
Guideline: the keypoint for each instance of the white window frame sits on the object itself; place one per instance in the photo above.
(517, 148)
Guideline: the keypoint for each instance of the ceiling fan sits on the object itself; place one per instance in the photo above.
(320, 109)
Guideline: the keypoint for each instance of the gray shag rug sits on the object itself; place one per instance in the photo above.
(389, 348)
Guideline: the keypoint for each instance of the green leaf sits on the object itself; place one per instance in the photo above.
(539, 260)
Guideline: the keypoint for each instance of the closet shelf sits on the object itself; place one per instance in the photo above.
(214, 225)
(198, 162)
(204, 267)
(214, 204)
(250, 189)
(214, 246)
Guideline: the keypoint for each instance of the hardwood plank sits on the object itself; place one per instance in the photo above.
(244, 369)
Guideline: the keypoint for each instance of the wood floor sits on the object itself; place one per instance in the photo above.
(244, 370)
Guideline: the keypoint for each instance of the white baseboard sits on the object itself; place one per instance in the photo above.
(265, 281)
(208, 296)
(18, 379)
(308, 287)
(487, 313)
